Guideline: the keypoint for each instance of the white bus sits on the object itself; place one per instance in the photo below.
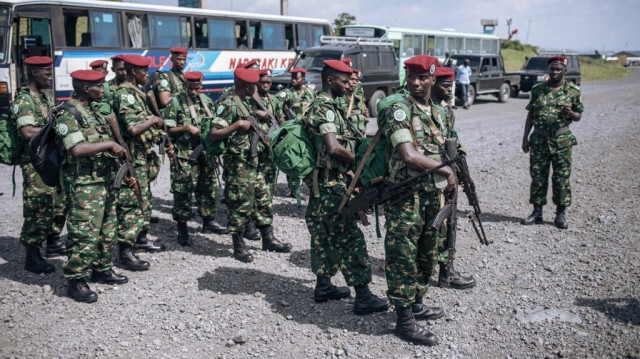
(74, 33)
(411, 42)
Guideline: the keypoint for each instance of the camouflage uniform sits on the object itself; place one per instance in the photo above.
(410, 242)
(200, 177)
(345, 248)
(92, 217)
(110, 88)
(171, 81)
(270, 170)
(44, 208)
(356, 113)
(551, 141)
(130, 107)
(246, 190)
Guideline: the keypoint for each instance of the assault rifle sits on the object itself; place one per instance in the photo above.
(469, 189)
(258, 134)
(381, 193)
(289, 115)
(165, 140)
(275, 123)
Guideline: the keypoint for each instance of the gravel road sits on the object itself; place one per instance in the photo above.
(541, 293)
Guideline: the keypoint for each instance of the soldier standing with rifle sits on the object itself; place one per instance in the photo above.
(246, 190)
(554, 105)
(411, 122)
(183, 118)
(141, 130)
(172, 83)
(353, 103)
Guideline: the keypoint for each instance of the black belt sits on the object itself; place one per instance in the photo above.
(552, 132)
(96, 169)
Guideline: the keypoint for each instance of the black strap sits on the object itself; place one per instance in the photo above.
(172, 81)
(74, 111)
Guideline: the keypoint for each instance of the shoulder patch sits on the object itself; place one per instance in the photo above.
(283, 94)
(164, 82)
(15, 108)
(331, 116)
(399, 115)
(219, 110)
(63, 129)
(130, 99)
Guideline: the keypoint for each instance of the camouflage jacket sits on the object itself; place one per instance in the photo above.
(356, 115)
(30, 109)
(110, 88)
(177, 114)
(273, 104)
(171, 81)
(297, 100)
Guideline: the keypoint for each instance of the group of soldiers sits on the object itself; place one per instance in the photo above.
(108, 125)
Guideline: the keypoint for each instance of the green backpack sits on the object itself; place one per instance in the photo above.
(291, 149)
(11, 144)
(211, 147)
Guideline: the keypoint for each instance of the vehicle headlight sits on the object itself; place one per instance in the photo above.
(541, 78)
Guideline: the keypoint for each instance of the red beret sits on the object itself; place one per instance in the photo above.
(38, 61)
(247, 75)
(558, 58)
(298, 72)
(88, 75)
(264, 72)
(99, 63)
(178, 50)
(338, 66)
(248, 64)
(422, 64)
(195, 76)
(445, 74)
(348, 61)
(118, 57)
(136, 60)
(356, 71)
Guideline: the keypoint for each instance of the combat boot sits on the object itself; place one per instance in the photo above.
(455, 280)
(250, 232)
(183, 235)
(108, 277)
(78, 290)
(144, 244)
(407, 329)
(535, 217)
(55, 247)
(209, 225)
(35, 263)
(129, 260)
(326, 291)
(240, 252)
(422, 312)
(154, 219)
(560, 221)
(367, 303)
(270, 243)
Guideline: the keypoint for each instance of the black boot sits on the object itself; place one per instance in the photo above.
(108, 277)
(183, 234)
(144, 244)
(129, 260)
(55, 247)
(35, 263)
(367, 303)
(560, 221)
(154, 219)
(455, 280)
(270, 243)
(535, 217)
(78, 290)
(326, 291)
(209, 225)
(422, 312)
(250, 232)
(407, 329)
(240, 252)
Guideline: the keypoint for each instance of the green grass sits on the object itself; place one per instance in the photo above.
(593, 70)
(514, 59)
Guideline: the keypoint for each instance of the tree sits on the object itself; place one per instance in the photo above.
(343, 18)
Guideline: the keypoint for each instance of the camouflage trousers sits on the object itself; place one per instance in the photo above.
(410, 247)
(91, 226)
(343, 249)
(247, 193)
(44, 208)
(131, 218)
(199, 179)
(540, 161)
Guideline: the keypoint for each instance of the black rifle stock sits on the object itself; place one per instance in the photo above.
(289, 115)
(258, 134)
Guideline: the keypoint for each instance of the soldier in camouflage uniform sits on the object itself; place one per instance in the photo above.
(171, 83)
(110, 87)
(415, 126)
(344, 248)
(246, 189)
(44, 207)
(553, 106)
(441, 94)
(353, 106)
(184, 117)
(140, 130)
(89, 168)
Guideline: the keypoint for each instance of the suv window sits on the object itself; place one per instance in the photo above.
(387, 59)
(313, 60)
(371, 60)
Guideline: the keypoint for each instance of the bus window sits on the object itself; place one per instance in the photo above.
(76, 28)
(255, 35)
(473, 46)
(272, 36)
(138, 31)
(308, 35)
(288, 33)
(167, 31)
(105, 28)
(201, 31)
(439, 49)
(431, 45)
(222, 34)
(412, 45)
(489, 46)
(455, 45)
(242, 40)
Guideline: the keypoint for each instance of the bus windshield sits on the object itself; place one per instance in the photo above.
(5, 25)
(312, 61)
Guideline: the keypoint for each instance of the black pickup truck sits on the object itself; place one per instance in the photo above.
(487, 77)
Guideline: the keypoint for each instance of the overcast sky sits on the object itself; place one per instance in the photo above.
(583, 25)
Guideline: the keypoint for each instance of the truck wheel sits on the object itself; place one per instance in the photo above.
(373, 102)
(505, 92)
(471, 95)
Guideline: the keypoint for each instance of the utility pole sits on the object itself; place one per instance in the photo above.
(509, 28)
(284, 7)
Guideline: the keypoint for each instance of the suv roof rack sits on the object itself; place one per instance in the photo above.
(352, 40)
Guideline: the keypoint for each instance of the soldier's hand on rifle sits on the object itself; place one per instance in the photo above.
(130, 182)
(262, 114)
(193, 130)
(363, 218)
(350, 174)
(244, 125)
(118, 150)
(451, 181)
(169, 150)
(525, 145)
(366, 112)
(159, 122)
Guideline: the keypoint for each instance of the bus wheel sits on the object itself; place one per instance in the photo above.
(373, 102)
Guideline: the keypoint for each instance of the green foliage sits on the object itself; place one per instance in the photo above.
(598, 69)
(343, 18)
(514, 59)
